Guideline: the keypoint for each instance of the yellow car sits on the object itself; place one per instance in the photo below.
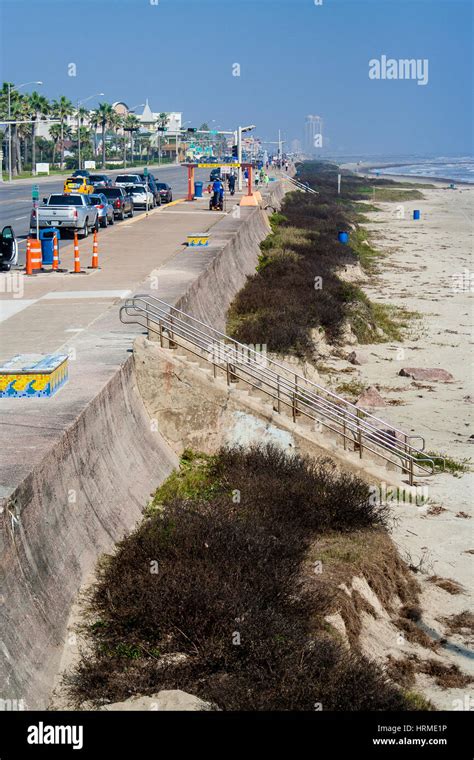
(78, 185)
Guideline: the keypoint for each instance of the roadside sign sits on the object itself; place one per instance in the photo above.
(35, 193)
(145, 171)
(42, 168)
(216, 166)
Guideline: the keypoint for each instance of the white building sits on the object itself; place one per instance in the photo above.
(148, 119)
(313, 134)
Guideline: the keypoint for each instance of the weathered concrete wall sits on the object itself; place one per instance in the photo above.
(78, 504)
(193, 409)
(210, 295)
(101, 462)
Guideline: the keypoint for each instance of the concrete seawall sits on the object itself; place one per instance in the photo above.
(87, 494)
(100, 460)
(210, 295)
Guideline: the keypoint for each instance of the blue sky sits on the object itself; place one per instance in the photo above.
(295, 58)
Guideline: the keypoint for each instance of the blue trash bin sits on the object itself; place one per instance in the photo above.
(343, 237)
(47, 244)
(198, 189)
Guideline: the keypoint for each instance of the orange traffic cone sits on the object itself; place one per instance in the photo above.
(95, 253)
(55, 254)
(34, 257)
(29, 265)
(77, 261)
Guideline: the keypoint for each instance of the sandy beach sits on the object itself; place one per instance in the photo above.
(426, 268)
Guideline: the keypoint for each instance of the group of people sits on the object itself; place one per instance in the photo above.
(217, 187)
(278, 164)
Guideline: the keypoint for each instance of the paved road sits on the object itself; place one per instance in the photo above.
(15, 198)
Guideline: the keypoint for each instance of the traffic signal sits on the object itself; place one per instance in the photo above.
(235, 151)
(192, 129)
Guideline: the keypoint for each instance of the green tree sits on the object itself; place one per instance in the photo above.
(40, 108)
(131, 124)
(55, 132)
(61, 109)
(116, 125)
(104, 116)
(16, 113)
(82, 115)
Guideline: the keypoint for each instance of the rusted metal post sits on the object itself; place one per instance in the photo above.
(171, 343)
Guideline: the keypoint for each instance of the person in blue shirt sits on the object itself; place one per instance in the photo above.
(218, 190)
(217, 187)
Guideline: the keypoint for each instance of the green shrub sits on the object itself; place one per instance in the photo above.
(228, 594)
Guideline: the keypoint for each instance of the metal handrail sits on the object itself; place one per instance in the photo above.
(358, 426)
(300, 185)
(374, 432)
(167, 307)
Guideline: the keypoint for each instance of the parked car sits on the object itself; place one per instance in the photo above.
(121, 201)
(151, 181)
(81, 173)
(141, 196)
(105, 208)
(78, 185)
(100, 180)
(8, 249)
(165, 192)
(123, 180)
(70, 212)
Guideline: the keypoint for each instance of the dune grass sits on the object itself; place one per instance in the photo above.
(210, 593)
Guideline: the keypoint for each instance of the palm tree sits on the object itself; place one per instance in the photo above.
(131, 124)
(94, 121)
(116, 124)
(62, 108)
(82, 115)
(20, 111)
(55, 133)
(39, 107)
(104, 115)
(161, 125)
(17, 112)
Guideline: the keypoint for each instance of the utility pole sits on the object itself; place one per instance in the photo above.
(10, 176)
(240, 130)
(239, 156)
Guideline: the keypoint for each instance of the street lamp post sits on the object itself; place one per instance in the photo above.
(10, 88)
(79, 103)
(240, 130)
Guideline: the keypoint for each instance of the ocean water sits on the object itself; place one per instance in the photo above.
(455, 169)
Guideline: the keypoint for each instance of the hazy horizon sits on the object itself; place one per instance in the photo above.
(295, 57)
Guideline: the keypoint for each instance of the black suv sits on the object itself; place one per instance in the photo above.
(120, 200)
(165, 192)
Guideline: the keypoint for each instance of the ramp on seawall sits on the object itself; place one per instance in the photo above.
(77, 471)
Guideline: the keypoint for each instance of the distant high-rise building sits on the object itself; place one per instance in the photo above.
(296, 146)
(313, 134)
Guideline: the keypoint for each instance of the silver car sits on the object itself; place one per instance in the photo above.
(104, 208)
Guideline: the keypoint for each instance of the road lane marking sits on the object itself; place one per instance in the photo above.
(17, 219)
(10, 307)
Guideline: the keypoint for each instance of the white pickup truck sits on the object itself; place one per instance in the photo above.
(67, 212)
